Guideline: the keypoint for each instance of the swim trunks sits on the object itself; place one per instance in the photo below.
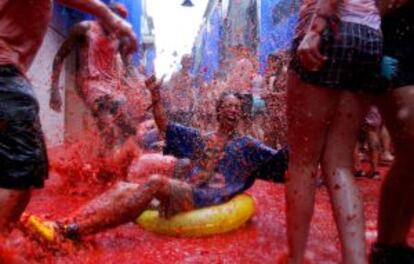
(23, 156)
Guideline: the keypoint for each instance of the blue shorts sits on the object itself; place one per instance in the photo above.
(23, 156)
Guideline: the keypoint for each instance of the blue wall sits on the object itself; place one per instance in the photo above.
(278, 20)
(210, 48)
(67, 17)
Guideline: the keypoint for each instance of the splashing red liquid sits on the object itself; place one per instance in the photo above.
(262, 240)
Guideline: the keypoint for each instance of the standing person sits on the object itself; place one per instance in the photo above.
(336, 58)
(100, 76)
(396, 208)
(23, 156)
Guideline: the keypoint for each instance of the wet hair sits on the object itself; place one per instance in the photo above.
(119, 9)
(221, 99)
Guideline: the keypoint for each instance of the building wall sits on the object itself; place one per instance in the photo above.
(39, 74)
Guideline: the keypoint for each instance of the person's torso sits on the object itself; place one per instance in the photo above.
(99, 55)
(23, 24)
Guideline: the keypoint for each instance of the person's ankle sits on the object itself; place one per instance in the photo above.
(71, 231)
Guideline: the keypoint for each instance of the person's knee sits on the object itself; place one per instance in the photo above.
(158, 182)
(123, 185)
(12, 204)
(155, 164)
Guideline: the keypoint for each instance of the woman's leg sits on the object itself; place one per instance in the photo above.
(337, 166)
(309, 111)
(12, 205)
(374, 151)
(397, 195)
(386, 145)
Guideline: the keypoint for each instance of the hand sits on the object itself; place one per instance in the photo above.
(124, 31)
(309, 51)
(152, 85)
(55, 101)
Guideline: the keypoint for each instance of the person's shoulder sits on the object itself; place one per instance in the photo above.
(81, 28)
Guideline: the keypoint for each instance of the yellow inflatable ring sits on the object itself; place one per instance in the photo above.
(201, 222)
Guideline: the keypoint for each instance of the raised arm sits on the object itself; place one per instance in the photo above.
(158, 110)
(97, 8)
(75, 35)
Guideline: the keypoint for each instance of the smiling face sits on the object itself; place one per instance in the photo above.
(229, 111)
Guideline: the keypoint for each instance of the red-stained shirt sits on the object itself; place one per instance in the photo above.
(100, 54)
(23, 24)
(100, 64)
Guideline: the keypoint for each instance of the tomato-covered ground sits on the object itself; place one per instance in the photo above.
(262, 240)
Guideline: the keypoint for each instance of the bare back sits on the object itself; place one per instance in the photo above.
(23, 24)
(99, 53)
(100, 64)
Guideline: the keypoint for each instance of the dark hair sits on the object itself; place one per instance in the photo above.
(221, 98)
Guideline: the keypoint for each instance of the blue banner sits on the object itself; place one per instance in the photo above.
(277, 24)
(67, 17)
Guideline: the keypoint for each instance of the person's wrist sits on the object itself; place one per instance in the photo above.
(319, 24)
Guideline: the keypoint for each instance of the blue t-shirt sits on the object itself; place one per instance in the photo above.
(244, 159)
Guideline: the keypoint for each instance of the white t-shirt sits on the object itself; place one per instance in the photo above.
(364, 12)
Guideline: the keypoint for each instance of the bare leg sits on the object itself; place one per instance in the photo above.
(150, 164)
(386, 144)
(12, 205)
(309, 110)
(121, 204)
(357, 160)
(337, 166)
(374, 150)
(397, 195)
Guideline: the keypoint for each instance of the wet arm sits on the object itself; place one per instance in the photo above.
(325, 10)
(158, 110)
(75, 35)
(130, 70)
(94, 7)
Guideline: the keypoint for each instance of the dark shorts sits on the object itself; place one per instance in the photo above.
(398, 30)
(354, 55)
(23, 157)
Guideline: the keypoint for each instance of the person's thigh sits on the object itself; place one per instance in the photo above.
(397, 109)
(178, 198)
(344, 130)
(149, 164)
(309, 111)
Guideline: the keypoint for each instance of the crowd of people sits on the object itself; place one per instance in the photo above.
(349, 73)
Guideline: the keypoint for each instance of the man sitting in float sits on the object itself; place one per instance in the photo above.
(195, 172)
